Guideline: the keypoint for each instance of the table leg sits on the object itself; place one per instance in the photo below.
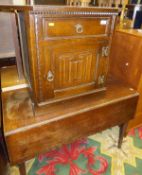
(122, 133)
(22, 168)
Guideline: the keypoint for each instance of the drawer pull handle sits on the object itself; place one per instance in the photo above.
(79, 28)
(50, 76)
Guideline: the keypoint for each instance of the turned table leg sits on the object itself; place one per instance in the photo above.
(122, 133)
(22, 169)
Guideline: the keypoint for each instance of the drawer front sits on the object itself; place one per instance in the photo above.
(74, 27)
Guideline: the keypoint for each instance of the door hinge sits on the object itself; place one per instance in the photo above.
(101, 80)
(105, 51)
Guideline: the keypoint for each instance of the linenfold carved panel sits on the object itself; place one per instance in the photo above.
(73, 69)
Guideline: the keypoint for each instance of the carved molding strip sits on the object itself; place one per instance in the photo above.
(39, 63)
(74, 13)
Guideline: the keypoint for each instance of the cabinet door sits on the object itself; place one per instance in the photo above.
(74, 67)
(69, 67)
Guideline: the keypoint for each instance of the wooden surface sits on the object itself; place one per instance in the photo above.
(126, 63)
(10, 80)
(67, 63)
(62, 122)
(44, 7)
(15, 35)
(70, 28)
(50, 2)
(132, 32)
(7, 62)
(12, 8)
(3, 153)
(3, 165)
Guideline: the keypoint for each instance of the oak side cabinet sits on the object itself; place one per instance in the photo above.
(66, 51)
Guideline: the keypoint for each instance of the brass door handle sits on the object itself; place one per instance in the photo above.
(79, 28)
(50, 76)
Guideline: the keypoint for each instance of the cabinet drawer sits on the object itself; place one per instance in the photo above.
(74, 27)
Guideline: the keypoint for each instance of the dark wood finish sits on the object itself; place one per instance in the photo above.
(22, 169)
(9, 78)
(73, 119)
(15, 35)
(63, 64)
(70, 62)
(122, 133)
(4, 162)
(12, 8)
(7, 62)
(3, 152)
(50, 2)
(90, 26)
(44, 7)
(74, 68)
(3, 165)
(126, 64)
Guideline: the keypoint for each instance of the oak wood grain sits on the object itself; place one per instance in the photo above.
(126, 64)
(9, 77)
(12, 8)
(64, 64)
(74, 119)
(72, 62)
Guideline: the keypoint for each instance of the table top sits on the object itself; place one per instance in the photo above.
(33, 7)
(10, 79)
(18, 112)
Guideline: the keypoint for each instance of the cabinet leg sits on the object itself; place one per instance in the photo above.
(22, 169)
(122, 134)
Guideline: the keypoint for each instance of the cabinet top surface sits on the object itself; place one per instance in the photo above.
(54, 7)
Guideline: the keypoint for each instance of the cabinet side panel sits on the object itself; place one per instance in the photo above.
(32, 53)
(126, 64)
(24, 46)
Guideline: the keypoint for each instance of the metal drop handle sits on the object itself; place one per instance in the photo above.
(79, 28)
(50, 76)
